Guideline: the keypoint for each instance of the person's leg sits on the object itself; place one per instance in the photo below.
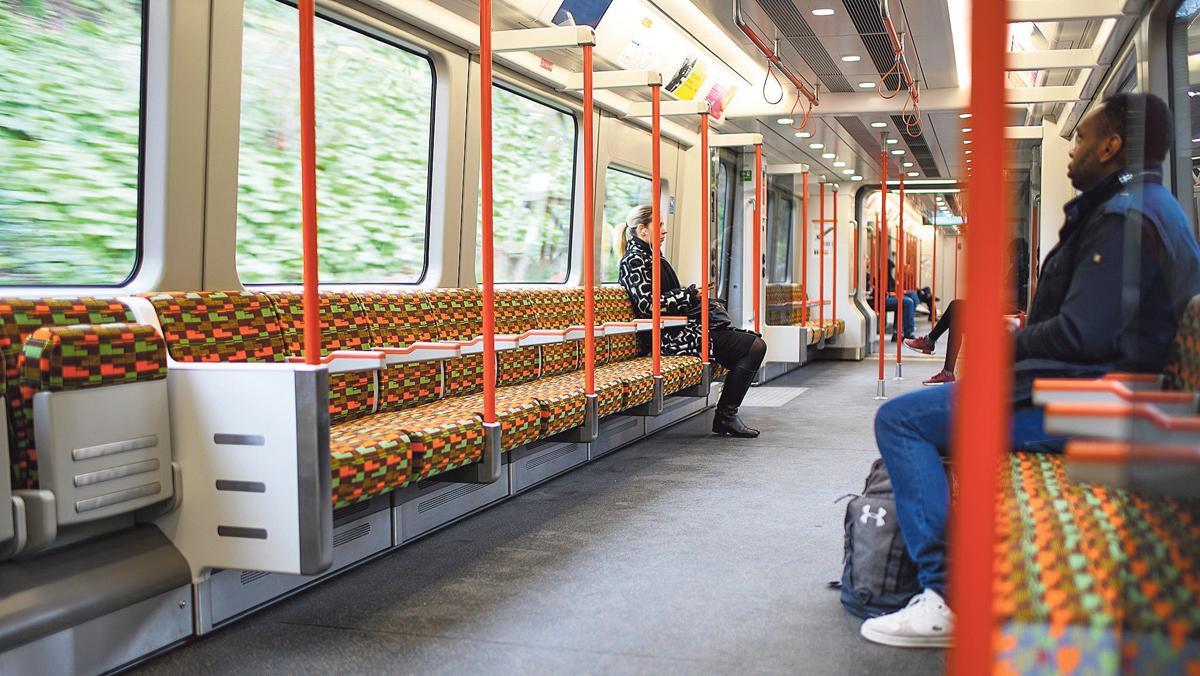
(910, 317)
(953, 347)
(1029, 432)
(912, 432)
(944, 321)
(742, 353)
(889, 309)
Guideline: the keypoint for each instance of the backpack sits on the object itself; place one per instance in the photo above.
(878, 576)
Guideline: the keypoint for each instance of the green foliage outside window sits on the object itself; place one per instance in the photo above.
(70, 78)
(374, 109)
(622, 191)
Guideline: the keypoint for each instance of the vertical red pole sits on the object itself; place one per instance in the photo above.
(704, 243)
(901, 272)
(804, 249)
(656, 226)
(934, 293)
(821, 252)
(589, 231)
(957, 248)
(1034, 239)
(982, 433)
(756, 234)
(881, 283)
(835, 253)
(485, 195)
(308, 184)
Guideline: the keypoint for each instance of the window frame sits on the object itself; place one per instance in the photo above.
(139, 225)
(619, 168)
(390, 40)
(1179, 155)
(517, 89)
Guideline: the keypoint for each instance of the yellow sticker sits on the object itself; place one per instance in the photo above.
(646, 21)
(1096, 258)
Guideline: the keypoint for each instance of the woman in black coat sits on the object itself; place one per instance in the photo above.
(738, 350)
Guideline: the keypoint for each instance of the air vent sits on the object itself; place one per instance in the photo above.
(866, 138)
(549, 456)
(346, 512)
(448, 496)
(360, 531)
(865, 15)
(920, 149)
(249, 576)
(799, 34)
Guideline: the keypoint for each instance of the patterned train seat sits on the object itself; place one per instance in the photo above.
(1091, 579)
(59, 344)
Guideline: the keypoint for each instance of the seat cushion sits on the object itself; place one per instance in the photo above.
(561, 400)
(610, 389)
(399, 319)
(560, 358)
(636, 377)
(680, 372)
(458, 313)
(369, 456)
(219, 326)
(442, 434)
(519, 416)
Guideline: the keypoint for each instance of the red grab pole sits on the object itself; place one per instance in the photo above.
(756, 235)
(589, 231)
(934, 292)
(880, 281)
(656, 227)
(308, 184)
(486, 252)
(804, 249)
(982, 411)
(901, 271)
(957, 248)
(704, 243)
(821, 252)
(835, 253)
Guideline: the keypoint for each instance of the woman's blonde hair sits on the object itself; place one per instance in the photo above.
(638, 216)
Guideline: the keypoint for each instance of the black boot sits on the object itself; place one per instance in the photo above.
(726, 421)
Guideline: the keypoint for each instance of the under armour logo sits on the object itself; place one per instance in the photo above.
(879, 522)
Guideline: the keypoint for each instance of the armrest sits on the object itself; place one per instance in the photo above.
(1079, 391)
(1156, 469)
(617, 328)
(343, 361)
(578, 331)
(667, 322)
(542, 337)
(1137, 381)
(1146, 423)
(252, 443)
(419, 351)
(1122, 451)
(504, 341)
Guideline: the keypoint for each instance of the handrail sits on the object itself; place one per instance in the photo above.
(933, 294)
(705, 245)
(306, 9)
(487, 252)
(835, 254)
(773, 57)
(656, 228)
(881, 266)
(981, 425)
(756, 237)
(821, 255)
(804, 252)
(589, 227)
(901, 264)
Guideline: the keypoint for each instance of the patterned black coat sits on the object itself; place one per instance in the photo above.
(636, 270)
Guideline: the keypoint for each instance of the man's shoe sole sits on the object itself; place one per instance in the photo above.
(905, 641)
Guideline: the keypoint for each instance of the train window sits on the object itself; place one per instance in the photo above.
(374, 116)
(622, 191)
(534, 165)
(779, 236)
(1185, 75)
(70, 139)
(722, 233)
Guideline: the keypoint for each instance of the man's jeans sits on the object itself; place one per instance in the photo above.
(910, 309)
(913, 434)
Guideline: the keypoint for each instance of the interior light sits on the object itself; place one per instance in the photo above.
(964, 116)
(897, 152)
(914, 173)
(867, 85)
(851, 58)
(785, 120)
(848, 172)
(879, 125)
(822, 11)
(803, 134)
(967, 130)
(968, 152)
(892, 141)
(856, 178)
(816, 146)
(839, 163)
(907, 165)
(827, 156)
(1196, 140)
(966, 142)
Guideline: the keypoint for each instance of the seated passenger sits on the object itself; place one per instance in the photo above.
(1078, 327)
(738, 350)
(910, 298)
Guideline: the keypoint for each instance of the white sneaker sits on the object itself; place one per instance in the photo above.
(926, 622)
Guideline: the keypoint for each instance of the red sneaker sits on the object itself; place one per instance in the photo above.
(922, 344)
(940, 378)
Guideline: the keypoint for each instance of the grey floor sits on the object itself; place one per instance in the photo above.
(683, 553)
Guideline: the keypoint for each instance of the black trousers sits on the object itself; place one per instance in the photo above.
(742, 353)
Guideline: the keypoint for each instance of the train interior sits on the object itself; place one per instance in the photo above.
(319, 353)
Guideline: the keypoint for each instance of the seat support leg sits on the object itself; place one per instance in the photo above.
(589, 430)
(655, 405)
(490, 465)
(700, 389)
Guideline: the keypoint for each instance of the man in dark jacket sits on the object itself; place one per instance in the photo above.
(1109, 297)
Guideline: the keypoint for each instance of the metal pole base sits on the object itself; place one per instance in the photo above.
(590, 429)
(879, 395)
(899, 371)
(489, 467)
(655, 405)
